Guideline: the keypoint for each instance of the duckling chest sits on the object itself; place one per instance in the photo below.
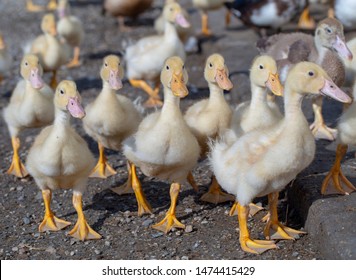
(64, 153)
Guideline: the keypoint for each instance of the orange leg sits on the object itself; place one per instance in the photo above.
(247, 244)
(305, 20)
(215, 194)
(143, 206)
(75, 61)
(254, 209)
(127, 187)
(52, 5)
(82, 230)
(32, 7)
(335, 174)
(274, 229)
(205, 24)
(102, 168)
(16, 168)
(154, 99)
(53, 82)
(318, 127)
(170, 221)
(50, 222)
(192, 182)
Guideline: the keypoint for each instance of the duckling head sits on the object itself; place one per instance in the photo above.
(31, 70)
(172, 12)
(48, 24)
(112, 71)
(263, 73)
(309, 78)
(330, 33)
(216, 72)
(67, 98)
(175, 77)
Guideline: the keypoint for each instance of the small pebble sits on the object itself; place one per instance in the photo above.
(188, 228)
(295, 254)
(19, 188)
(204, 222)
(51, 250)
(184, 258)
(26, 221)
(96, 251)
(158, 234)
(107, 243)
(147, 223)
(15, 249)
(72, 253)
(188, 210)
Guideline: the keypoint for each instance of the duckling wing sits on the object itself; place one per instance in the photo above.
(39, 45)
(142, 46)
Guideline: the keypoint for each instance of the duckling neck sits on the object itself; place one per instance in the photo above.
(321, 51)
(62, 119)
(171, 102)
(216, 94)
(107, 90)
(170, 32)
(293, 106)
(258, 96)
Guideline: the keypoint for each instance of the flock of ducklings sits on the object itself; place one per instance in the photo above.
(246, 146)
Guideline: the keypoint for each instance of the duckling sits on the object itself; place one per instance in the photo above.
(210, 117)
(261, 111)
(204, 6)
(5, 59)
(126, 8)
(274, 14)
(258, 112)
(346, 136)
(344, 11)
(146, 58)
(256, 164)
(31, 105)
(60, 159)
(51, 52)
(71, 29)
(164, 147)
(31, 7)
(110, 117)
(326, 49)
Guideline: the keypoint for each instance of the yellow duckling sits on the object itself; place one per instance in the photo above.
(164, 147)
(51, 52)
(145, 59)
(346, 136)
(5, 59)
(31, 7)
(71, 29)
(204, 6)
(60, 159)
(126, 8)
(110, 117)
(209, 118)
(31, 105)
(260, 112)
(263, 161)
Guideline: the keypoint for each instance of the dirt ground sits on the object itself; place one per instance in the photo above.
(212, 233)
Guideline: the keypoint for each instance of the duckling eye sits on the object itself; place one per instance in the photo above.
(311, 73)
(106, 65)
(61, 91)
(26, 63)
(210, 65)
(183, 67)
(328, 30)
(261, 66)
(119, 63)
(167, 67)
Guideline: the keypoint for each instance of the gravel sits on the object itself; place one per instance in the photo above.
(210, 232)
